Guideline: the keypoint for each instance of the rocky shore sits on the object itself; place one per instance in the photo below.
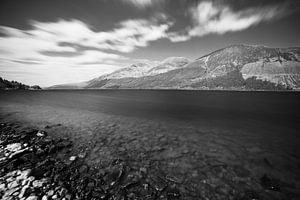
(37, 166)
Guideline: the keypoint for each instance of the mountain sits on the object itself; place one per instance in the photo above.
(249, 67)
(70, 86)
(168, 64)
(14, 85)
(133, 71)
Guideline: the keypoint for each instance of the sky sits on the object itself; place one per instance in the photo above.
(65, 41)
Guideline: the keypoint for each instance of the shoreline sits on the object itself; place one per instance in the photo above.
(200, 90)
(51, 167)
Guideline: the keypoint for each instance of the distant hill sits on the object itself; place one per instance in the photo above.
(237, 67)
(14, 85)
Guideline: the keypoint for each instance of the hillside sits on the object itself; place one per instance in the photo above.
(14, 85)
(234, 67)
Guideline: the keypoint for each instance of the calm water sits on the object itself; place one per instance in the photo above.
(221, 107)
(183, 133)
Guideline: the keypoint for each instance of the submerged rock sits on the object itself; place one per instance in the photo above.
(46, 168)
(41, 133)
(72, 158)
(269, 183)
(114, 175)
(14, 147)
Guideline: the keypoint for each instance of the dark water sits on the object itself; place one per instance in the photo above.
(272, 108)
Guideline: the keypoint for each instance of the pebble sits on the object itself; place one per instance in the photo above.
(72, 158)
(16, 153)
(10, 192)
(12, 173)
(37, 183)
(50, 192)
(23, 191)
(32, 198)
(23, 174)
(41, 134)
(2, 187)
(269, 183)
(45, 197)
(12, 185)
(82, 155)
(143, 170)
(30, 179)
(68, 197)
(14, 147)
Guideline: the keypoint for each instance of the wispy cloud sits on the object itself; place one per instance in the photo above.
(209, 18)
(40, 48)
(142, 4)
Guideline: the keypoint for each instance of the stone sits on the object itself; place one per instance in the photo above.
(158, 183)
(14, 147)
(2, 187)
(157, 148)
(24, 174)
(32, 198)
(82, 155)
(23, 191)
(62, 192)
(12, 185)
(24, 182)
(122, 149)
(269, 184)
(173, 179)
(185, 151)
(72, 158)
(9, 193)
(12, 173)
(19, 153)
(91, 185)
(172, 192)
(114, 176)
(45, 197)
(50, 193)
(10, 179)
(29, 180)
(68, 197)
(143, 170)
(41, 134)
(37, 183)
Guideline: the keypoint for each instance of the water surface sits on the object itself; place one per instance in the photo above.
(183, 133)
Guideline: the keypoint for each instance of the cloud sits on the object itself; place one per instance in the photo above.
(55, 46)
(131, 34)
(142, 4)
(207, 18)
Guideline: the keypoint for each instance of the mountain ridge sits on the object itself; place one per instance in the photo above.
(236, 67)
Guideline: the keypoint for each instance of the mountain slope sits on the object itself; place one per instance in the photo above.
(133, 71)
(168, 64)
(233, 67)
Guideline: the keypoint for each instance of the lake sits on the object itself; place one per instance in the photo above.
(183, 133)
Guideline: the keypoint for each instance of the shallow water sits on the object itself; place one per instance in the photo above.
(182, 132)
